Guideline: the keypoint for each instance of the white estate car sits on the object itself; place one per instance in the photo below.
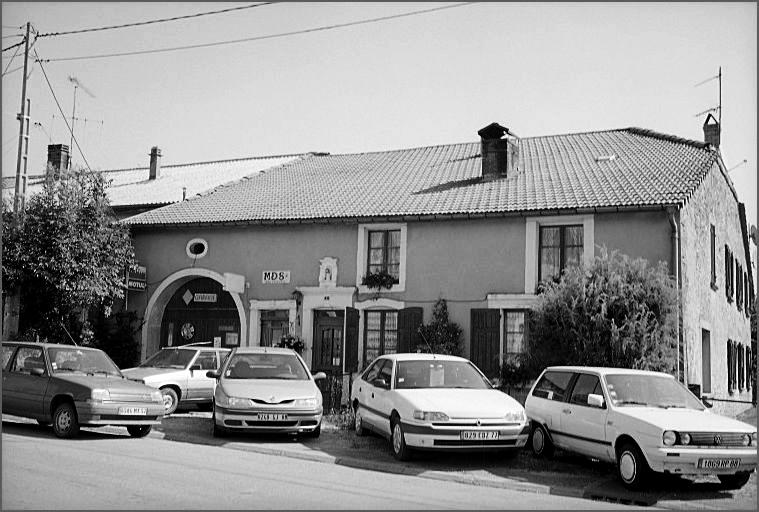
(642, 421)
(429, 401)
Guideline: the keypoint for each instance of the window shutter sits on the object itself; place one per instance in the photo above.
(485, 340)
(351, 339)
(713, 256)
(727, 272)
(729, 366)
(409, 320)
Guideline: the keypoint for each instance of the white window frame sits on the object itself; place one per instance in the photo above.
(532, 242)
(509, 301)
(363, 241)
(372, 305)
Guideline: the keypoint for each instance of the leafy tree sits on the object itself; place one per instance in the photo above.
(440, 336)
(65, 253)
(616, 312)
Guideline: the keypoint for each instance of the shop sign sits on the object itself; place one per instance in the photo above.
(137, 279)
(275, 277)
(204, 297)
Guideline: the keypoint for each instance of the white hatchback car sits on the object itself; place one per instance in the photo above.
(429, 401)
(642, 421)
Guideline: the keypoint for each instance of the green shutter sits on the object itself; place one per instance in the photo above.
(409, 320)
(351, 339)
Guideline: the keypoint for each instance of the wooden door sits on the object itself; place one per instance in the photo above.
(328, 356)
(485, 349)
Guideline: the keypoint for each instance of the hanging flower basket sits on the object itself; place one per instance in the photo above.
(379, 280)
(292, 342)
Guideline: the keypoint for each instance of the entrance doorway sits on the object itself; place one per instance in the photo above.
(328, 355)
(200, 311)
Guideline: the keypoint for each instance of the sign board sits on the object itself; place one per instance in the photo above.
(275, 277)
(137, 279)
(231, 339)
(204, 297)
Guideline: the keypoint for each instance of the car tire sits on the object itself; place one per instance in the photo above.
(735, 481)
(139, 430)
(170, 400)
(358, 426)
(398, 441)
(540, 443)
(632, 467)
(65, 421)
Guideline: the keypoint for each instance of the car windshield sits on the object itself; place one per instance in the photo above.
(631, 390)
(170, 358)
(266, 366)
(82, 360)
(439, 374)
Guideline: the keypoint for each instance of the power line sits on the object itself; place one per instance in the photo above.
(163, 20)
(14, 35)
(259, 38)
(15, 45)
(9, 62)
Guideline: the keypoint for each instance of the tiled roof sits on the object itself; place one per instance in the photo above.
(626, 168)
(131, 187)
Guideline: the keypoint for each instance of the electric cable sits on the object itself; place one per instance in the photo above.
(259, 38)
(149, 22)
(9, 62)
(15, 45)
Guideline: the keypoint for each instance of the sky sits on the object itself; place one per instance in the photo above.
(426, 79)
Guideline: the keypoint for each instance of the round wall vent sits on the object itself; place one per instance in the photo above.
(197, 248)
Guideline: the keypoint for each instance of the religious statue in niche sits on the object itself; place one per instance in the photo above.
(328, 271)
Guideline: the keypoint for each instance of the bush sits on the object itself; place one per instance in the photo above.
(115, 335)
(440, 336)
(615, 312)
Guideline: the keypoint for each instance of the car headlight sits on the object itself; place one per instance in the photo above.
(753, 439)
(231, 402)
(306, 402)
(669, 438)
(430, 416)
(684, 438)
(100, 395)
(516, 416)
(156, 396)
(746, 439)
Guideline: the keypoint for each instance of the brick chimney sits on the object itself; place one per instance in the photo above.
(499, 156)
(57, 158)
(155, 162)
(712, 131)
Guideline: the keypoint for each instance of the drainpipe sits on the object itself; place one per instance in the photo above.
(674, 223)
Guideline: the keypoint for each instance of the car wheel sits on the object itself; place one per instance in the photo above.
(632, 467)
(65, 421)
(139, 430)
(400, 450)
(540, 444)
(358, 425)
(315, 432)
(735, 481)
(170, 400)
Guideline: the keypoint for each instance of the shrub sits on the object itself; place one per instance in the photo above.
(440, 336)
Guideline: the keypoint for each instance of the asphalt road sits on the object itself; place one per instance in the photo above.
(103, 470)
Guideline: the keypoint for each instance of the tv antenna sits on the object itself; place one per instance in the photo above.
(77, 84)
(718, 108)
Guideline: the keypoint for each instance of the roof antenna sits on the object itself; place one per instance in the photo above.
(718, 108)
(427, 342)
(69, 335)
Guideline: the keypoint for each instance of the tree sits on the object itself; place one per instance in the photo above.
(615, 312)
(440, 336)
(64, 254)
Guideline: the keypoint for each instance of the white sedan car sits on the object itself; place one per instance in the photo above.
(429, 401)
(642, 421)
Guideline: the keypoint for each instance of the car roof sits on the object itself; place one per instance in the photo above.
(47, 345)
(264, 350)
(422, 356)
(605, 370)
(195, 347)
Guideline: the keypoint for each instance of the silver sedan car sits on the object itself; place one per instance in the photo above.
(266, 389)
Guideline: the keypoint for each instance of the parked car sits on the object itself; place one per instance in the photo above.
(642, 421)
(71, 386)
(266, 389)
(429, 401)
(180, 373)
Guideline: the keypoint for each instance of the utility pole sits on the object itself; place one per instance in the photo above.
(23, 118)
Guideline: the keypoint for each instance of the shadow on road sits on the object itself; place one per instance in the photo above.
(33, 429)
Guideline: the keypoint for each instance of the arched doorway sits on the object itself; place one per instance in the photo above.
(200, 310)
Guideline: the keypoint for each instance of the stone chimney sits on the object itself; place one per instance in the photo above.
(712, 131)
(499, 156)
(57, 158)
(155, 163)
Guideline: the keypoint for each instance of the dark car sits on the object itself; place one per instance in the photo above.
(71, 386)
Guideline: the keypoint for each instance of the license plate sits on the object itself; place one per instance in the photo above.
(133, 411)
(479, 435)
(718, 463)
(272, 417)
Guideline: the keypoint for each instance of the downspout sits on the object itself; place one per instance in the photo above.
(674, 223)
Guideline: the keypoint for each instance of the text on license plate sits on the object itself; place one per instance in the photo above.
(133, 411)
(271, 417)
(718, 463)
(478, 435)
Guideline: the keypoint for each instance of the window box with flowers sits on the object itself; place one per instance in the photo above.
(292, 342)
(379, 280)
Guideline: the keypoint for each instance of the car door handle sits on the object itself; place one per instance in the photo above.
(566, 411)
(372, 394)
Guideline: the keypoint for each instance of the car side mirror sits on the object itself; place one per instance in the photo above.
(596, 401)
(380, 383)
(706, 402)
(214, 374)
(195, 367)
(39, 372)
(320, 375)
